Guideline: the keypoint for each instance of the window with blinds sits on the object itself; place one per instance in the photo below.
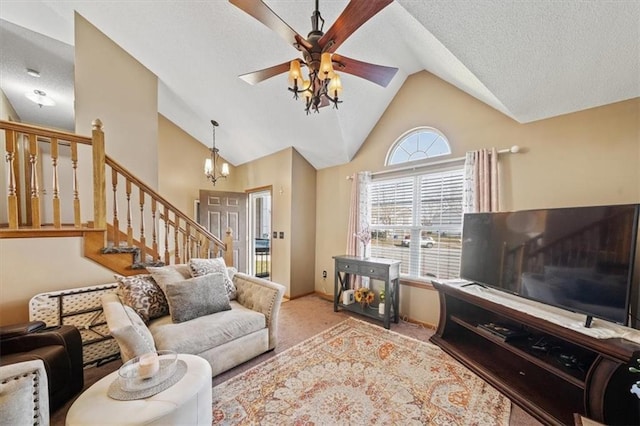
(417, 219)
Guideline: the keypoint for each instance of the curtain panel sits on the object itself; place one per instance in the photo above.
(481, 181)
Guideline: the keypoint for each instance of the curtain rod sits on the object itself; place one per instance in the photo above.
(513, 150)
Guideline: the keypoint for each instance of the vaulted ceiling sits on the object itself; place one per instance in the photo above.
(530, 60)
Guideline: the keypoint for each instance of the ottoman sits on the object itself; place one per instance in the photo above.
(188, 402)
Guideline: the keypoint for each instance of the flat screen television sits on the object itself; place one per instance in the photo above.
(578, 258)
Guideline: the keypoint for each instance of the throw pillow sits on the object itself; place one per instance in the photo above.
(197, 297)
(143, 294)
(164, 275)
(133, 338)
(201, 267)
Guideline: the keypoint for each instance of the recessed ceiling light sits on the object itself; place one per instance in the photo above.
(33, 73)
(40, 97)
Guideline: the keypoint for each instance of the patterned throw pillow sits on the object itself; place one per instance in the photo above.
(141, 293)
(200, 267)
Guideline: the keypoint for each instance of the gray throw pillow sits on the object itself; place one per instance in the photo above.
(197, 297)
(164, 275)
(201, 267)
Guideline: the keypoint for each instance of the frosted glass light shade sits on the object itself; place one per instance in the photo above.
(295, 73)
(335, 86)
(326, 67)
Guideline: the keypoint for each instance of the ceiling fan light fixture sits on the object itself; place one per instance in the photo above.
(318, 52)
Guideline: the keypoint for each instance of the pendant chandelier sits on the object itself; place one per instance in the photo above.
(211, 169)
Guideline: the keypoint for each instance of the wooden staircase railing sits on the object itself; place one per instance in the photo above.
(24, 172)
(33, 154)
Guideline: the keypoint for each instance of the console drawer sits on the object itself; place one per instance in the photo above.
(373, 271)
(347, 267)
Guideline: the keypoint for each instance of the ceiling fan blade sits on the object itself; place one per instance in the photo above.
(258, 76)
(378, 74)
(259, 10)
(352, 17)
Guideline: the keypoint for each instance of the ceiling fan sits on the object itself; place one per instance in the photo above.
(323, 85)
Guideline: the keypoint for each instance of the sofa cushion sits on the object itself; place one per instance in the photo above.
(196, 297)
(143, 294)
(203, 333)
(201, 267)
(164, 275)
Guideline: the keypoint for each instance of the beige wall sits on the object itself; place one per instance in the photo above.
(586, 158)
(113, 86)
(29, 266)
(302, 232)
(276, 171)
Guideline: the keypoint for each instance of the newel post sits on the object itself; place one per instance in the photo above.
(228, 247)
(99, 182)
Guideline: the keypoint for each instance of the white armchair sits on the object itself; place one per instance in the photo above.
(24, 396)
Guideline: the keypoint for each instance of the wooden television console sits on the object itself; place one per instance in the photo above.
(568, 372)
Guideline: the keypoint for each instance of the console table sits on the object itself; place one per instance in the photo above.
(571, 373)
(386, 270)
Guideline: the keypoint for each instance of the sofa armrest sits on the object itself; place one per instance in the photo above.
(261, 296)
(13, 330)
(25, 395)
(62, 335)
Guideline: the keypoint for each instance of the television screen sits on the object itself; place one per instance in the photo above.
(580, 258)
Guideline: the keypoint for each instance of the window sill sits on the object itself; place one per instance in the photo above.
(417, 283)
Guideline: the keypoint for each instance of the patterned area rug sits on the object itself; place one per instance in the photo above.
(359, 373)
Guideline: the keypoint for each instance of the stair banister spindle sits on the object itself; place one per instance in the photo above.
(57, 222)
(186, 252)
(76, 191)
(166, 236)
(12, 196)
(143, 240)
(116, 221)
(176, 245)
(228, 253)
(33, 182)
(129, 227)
(154, 236)
(99, 178)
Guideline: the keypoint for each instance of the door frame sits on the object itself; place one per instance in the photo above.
(250, 231)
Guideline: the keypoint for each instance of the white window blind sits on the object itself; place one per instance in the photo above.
(417, 219)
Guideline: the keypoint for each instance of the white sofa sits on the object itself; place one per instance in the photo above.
(225, 339)
(24, 395)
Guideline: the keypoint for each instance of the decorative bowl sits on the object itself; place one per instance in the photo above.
(147, 370)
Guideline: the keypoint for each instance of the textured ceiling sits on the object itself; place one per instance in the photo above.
(528, 59)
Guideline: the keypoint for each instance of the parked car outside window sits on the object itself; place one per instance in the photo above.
(427, 242)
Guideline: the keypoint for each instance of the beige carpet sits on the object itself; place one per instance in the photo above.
(359, 373)
(300, 319)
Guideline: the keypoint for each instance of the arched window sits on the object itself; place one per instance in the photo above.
(416, 212)
(418, 144)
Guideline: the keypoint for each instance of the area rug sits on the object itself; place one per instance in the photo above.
(360, 374)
